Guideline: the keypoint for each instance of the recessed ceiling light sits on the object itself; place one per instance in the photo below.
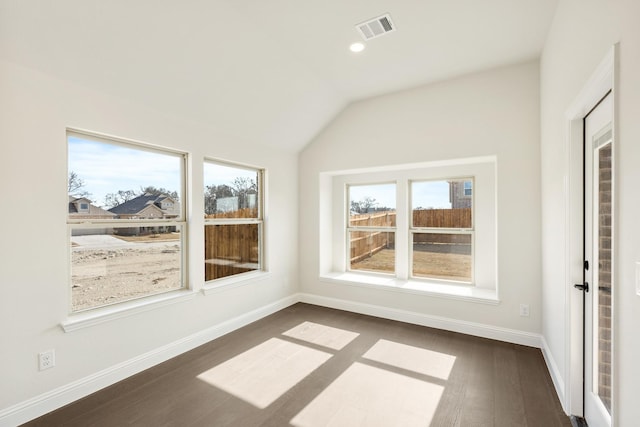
(356, 47)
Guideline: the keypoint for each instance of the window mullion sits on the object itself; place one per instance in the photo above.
(434, 230)
(373, 229)
(402, 235)
(225, 221)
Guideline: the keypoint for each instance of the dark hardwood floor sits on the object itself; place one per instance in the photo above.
(337, 368)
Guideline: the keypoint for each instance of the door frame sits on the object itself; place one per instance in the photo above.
(603, 80)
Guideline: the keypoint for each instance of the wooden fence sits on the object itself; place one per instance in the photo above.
(444, 218)
(231, 248)
(364, 244)
(439, 238)
(374, 219)
(240, 213)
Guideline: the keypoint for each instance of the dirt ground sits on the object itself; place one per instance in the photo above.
(110, 275)
(436, 263)
(106, 276)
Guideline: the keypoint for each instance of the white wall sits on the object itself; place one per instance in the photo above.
(581, 35)
(35, 109)
(490, 113)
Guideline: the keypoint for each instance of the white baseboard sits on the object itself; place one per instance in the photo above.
(464, 327)
(552, 366)
(47, 402)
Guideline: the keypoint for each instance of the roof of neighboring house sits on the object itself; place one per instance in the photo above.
(138, 204)
(93, 210)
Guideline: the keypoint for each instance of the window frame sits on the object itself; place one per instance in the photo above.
(179, 222)
(371, 229)
(464, 189)
(413, 229)
(332, 266)
(259, 221)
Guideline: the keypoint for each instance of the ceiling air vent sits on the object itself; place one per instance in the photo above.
(376, 27)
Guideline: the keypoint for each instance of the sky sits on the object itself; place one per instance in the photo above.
(107, 168)
(217, 174)
(424, 194)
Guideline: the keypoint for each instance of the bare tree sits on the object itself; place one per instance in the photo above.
(158, 191)
(363, 205)
(212, 194)
(242, 186)
(121, 196)
(75, 186)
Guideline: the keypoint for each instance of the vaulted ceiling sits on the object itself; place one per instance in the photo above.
(268, 71)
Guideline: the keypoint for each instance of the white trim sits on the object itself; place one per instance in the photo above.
(419, 165)
(103, 314)
(49, 401)
(554, 372)
(389, 283)
(232, 282)
(470, 328)
(600, 82)
(122, 142)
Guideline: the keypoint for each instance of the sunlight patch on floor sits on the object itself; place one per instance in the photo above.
(265, 372)
(416, 359)
(325, 336)
(367, 396)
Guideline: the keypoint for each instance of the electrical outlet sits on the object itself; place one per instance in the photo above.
(47, 359)
(524, 310)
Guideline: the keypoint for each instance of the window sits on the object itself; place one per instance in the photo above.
(371, 227)
(128, 242)
(233, 237)
(420, 227)
(441, 234)
(468, 188)
(441, 237)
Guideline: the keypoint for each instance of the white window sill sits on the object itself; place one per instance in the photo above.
(443, 290)
(220, 285)
(89, 318)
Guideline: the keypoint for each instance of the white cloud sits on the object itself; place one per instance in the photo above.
(107, 168)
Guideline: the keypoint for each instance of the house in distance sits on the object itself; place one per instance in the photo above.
(147, 206)
(83, 208)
